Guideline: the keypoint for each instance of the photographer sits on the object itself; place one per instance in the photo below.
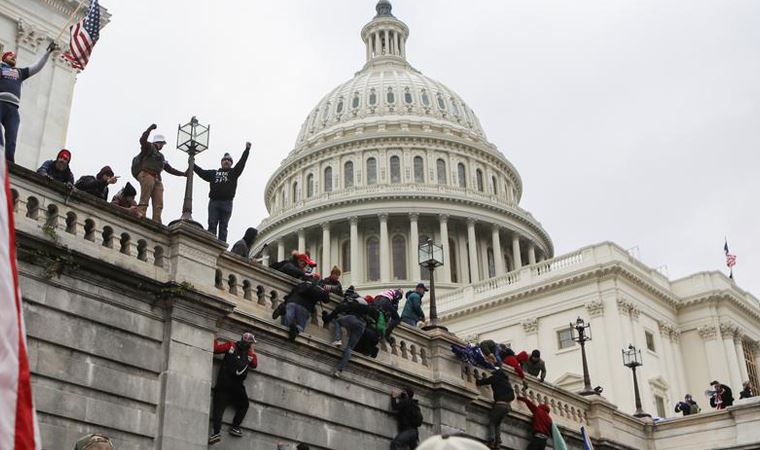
(688, 406)
(409, 418)
(722, 396)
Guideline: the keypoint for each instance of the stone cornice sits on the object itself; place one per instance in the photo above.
(595, 308)
(708, 332)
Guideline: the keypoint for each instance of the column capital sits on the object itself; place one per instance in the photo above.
(595, 308)
(353, 220)
(471, 221)
(383, 217)
(29, 36)
(326, 225)
(414, 216)
(530, 326)
(708, 332)
(496, 228)
(301, 231)
(443, 218)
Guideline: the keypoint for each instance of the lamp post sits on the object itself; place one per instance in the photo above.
(581, 332)
(192, 138)
(431, 256)
(632, 359)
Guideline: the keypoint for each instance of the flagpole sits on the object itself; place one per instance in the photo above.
(68, 22)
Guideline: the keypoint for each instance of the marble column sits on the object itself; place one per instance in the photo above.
(385, 260)
(414, 242)
(445, 271)
(497, 254)
(354, 238)
(301, 240)
(531, 253)
(326, 263)
(516, 251)
(727, 336)
(740, 356)
(472, 246)
(716, 364)
(281, 249)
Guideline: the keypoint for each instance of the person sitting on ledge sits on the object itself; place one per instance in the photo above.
(58, 169)
(97, 185)
(295, 266)
(238, 358)
(746, 391)
(125, 199)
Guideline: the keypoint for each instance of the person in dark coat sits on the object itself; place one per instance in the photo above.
(535, 365)
(300, 303)
(97, 185)
(352, 317)
(295, 266)
(58, 169)
(151, 162)
(243, 246)
(238, 358)
(413, 312)
(125, 199)
(722, 396)
(688, 406)
(223, 183)
(11, 79)
(503, 394)
(333, 282)
(747, 391)
(408, 417)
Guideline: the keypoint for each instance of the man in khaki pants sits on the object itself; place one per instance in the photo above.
(151, 163)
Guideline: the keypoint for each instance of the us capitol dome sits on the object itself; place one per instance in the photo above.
(387, 160)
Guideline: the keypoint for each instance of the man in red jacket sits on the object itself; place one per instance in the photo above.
(542, 424)
(238, 358)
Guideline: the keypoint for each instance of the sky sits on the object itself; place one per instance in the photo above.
(633, 122)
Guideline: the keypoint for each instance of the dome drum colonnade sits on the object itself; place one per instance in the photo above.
(387, 160)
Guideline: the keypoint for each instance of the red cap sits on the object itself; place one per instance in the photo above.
(303, 257)
(7, 54)
(64, 154)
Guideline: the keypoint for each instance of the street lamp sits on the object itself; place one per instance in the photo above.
(192, 138)
(581, 332)
(632, 359)
(431, 256)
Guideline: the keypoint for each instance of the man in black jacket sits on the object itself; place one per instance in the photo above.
(300, 304)
(352, 317)
(722, 397)
(502, 395)
(408, 417)
(223, 186)
(97, 185)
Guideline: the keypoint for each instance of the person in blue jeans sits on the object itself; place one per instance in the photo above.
(11, 79)
(300, 303)
(223, 183)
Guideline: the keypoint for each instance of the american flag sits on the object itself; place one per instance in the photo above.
(84, 35)
(730, 260)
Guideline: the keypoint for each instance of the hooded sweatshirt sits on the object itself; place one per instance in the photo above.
(413, 307)
(12, 77)
(243, 246)
(542, 422)
(510, 359)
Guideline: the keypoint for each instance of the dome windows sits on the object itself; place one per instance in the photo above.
(462, 175)
(348, 174)
(395, 169)
(390, 97)
(328, 182)
(440, 169)
(310, 186)
(479, 179)
(495, 185)
(371, 171)
(356, 101)
(441, 102)
(326, 112)
(425, 98)
(339, 107)
(419, 170)
(408, 96)
(454, 107)
(372, 97)
(296, 192)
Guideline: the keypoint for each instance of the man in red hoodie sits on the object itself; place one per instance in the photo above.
(542, 424)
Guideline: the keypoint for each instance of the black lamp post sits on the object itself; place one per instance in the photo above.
(632, 359)
(581, 332)
(431, 256)
(192, 138)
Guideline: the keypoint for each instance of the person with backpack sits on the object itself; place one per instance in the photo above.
(238, 358)
(223, 183)
(147, 167)
(409, 418)
(688, 406)
(97, 185)
(387, 302)
(413, 312)
(503, 394)
(300, 304)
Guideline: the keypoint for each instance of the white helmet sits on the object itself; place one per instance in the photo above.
(159, 138)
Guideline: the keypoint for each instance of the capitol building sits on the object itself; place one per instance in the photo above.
(392, 158)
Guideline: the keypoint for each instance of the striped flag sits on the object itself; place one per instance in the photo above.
(730, 260)
(84, 34)
(18, 423)
(587, 445)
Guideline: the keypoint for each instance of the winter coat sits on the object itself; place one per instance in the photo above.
(93, 186)
(403, 406)
(333, 285)
(48, 169)
(686, 407)
(726, 397)
(289, 268)
(223, 181)
(413, 307)
(152, 160)
(515, 362)
(537, 369)
(235, 365)
(121, 200)
(746, 393)
(499, 381)
(542, 422)
(307, 294)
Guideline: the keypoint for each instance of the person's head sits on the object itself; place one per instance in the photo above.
(398, 294)
(94, 441)
(747, 384)
(250, 235)
(302, 446)
(535, 356)
(335, 272)
(715, 384)
(421, 288)
(159, 141)
(246, 340)
(62, 159)
(105, 174)
(226, 161)
(687, 397)
(407, 391)
(9, 58)
(129, 192)
(507, 351)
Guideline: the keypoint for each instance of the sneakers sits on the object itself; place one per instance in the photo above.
(337, 343)
(236, 431)
(214, 438)
(337, 374)
(292, 333)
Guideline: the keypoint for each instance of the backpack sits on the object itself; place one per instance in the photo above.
(415, 415)
(136, 165)
(693, 408)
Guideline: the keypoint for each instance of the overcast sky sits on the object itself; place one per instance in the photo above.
(635, 122)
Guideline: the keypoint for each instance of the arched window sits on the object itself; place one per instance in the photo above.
(407, 96)
(462, 175)
(296, 194)
(390, 97)
(327, 183)
(495, 185)
(441, 102)
(479, 179)
(371, 171)
(372, 97)
(339, 108)
(284, 196)
(326, 112)
(454, 107)
(425, 98)
(348, 174)
(440, 169)
(453, 263)
(399, 257)
(419, 170)
(345, 256)
(491, 263)
(373, 259)
(395, 169)
(356, 100)
(310, 185)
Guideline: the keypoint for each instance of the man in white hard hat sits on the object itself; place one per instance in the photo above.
(147, 168)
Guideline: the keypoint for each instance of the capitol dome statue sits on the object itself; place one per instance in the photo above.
(389, 159)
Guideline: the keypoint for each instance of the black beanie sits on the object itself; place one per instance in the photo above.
(536, 353)
(129, 190)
